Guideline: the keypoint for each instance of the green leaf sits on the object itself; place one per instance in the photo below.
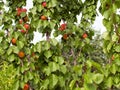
(16, 85)
(6, 45)
(107, 25)
(109, 46)
(33, 10)
(20, 44)
(63, 69)
(88, 77)
(38, 47)
(61, 81)
(18, 71)
(78, 88)
(9, 51)
(114, 7)
(48, 54)
(2, 51)
(39, 1)
(116, 79)
(117, 85)
(97, 66)
(54, 3)
(2, 33)
(30, 75)
(117, 61)
(1, 39)
(45, 84)
(55, 58)
(113, 68)
(39, 8)
(60, 60)
(114, 37)
(32, 66)
(117, 48)
(15, 49)
(53, 66)
(90, 86)
(45, 24)
(106, 36)
(36, 80)
(47, 71)
(22, 84)
(98, 78)
(52, 24)
(26, 78)
(11, 58)
(23, 14)
(22, 69)
(72, 83)
(109, 82)
(78, 69)
(54, 41)
(46, 46)
(107, 13)
(53, 79)
(89, 63)
(16, 35)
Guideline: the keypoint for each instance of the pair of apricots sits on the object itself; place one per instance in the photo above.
(21, 54)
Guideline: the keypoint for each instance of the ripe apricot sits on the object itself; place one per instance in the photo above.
(43, 17)
(13, 41)
(65, 36)
(26, 87)
(112, 57)
(21, 54)
(33, 54)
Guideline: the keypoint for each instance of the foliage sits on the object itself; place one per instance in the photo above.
(66, 64)
(97, 53)
(7, 76)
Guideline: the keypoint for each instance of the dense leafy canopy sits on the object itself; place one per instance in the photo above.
(67, 64)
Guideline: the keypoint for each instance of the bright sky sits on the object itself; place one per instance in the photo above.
(97, 24)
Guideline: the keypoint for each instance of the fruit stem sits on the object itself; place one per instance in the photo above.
(73, 54)
(21, 62)
(28, 57)
(8, 33)
(47, 36)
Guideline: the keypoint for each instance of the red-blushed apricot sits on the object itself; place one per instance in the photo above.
(23, 31)
(26, 26)
(23, 10)
(65, 36)
(20, 21)
(44, 4)
(84, 35)
(20, 10)
(63, 27)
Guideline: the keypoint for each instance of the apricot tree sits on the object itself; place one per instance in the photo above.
(66, 63)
